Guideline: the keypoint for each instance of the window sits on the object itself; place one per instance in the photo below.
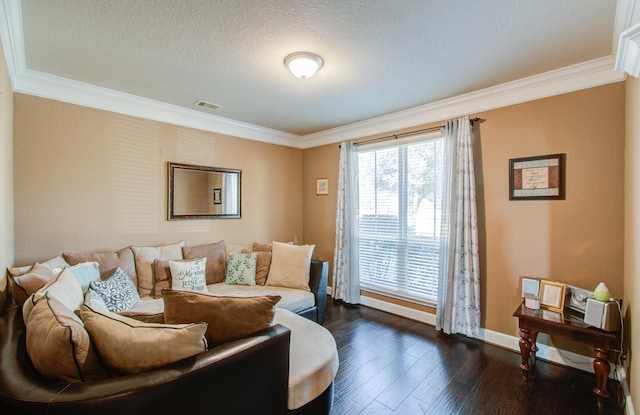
(399, 212)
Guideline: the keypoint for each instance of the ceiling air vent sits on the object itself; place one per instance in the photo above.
(207, 105)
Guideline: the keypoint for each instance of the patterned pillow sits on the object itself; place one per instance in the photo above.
(189, 275)
(118, 291)
(241, 269)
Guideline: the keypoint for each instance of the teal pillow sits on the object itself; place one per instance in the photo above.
(85, 273)
(241, 269)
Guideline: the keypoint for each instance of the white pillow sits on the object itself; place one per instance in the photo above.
(189, 275)
(144, 257)
(65, 288)
(290, 265)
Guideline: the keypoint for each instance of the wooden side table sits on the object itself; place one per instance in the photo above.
(569, 325)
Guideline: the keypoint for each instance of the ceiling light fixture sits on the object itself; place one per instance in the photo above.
(303, 64)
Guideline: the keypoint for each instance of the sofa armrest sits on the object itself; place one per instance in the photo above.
(244, 376)
(318, 278)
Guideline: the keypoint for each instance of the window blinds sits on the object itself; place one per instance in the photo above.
(399, 215)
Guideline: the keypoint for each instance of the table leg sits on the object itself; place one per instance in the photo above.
(601, 367)
(534, 348)
(525, 350)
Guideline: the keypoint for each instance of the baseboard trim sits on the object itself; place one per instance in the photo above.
(545, 352)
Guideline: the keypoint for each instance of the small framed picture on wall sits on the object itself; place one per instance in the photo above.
(322, 187)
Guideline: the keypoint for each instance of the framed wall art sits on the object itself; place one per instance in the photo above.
(537, 178)
(322, 187)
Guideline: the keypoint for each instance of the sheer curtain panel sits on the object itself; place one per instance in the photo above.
(345, 277)
(458, 308)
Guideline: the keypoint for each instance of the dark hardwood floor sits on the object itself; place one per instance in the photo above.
(393, 365)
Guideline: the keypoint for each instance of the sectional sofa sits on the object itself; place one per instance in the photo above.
(286, 366)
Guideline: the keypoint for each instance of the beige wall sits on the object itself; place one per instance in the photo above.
(578, 241)
(90, 180)
(632, 233)
(6, 176)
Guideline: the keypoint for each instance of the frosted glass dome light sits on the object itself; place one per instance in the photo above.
(303, 64)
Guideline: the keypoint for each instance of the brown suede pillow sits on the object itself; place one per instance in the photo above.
(162, 274)
(131, 346)
(58, 344)
(108, 262)
(144, 316)
(24, 285)
(258, 247)
(262, 265)
(229, 318)
(216, 259)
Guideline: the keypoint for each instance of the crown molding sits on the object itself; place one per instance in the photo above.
(62, 89)
(581, 76)
(628, 58)
(572, 78)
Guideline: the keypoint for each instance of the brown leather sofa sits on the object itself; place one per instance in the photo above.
(246, 376)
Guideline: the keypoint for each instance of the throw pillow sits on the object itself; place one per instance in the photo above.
(161, 276)
(85, 273)
(234, 248)
(56, 262)
(290, 265)
(108, 262)
(64, 287)
(95, 301)
(216, 258)
(58, 344)
(258, 247)
(263, 263)
(241, 269)
(117, 291)
(144, 316)
(229, 318)
(144, 257)
(130, 346)
(188, 275)
(26, 284)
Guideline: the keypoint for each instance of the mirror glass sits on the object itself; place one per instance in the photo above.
(199, 192)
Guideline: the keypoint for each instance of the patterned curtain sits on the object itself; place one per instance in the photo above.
(458, 308)
(345, 277)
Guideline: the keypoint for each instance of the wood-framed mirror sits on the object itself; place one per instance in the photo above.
(200, 192)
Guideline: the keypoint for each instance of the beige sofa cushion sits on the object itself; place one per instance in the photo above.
(216, 259)
(229, 318)
(22, 286)
(129, 346)
(144, 257)
(290, 265)
(108, 262)
(58, 344)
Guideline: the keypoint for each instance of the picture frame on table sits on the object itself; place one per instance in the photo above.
(537, 178)
(552, 295)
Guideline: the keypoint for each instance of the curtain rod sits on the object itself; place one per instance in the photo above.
(424, 130)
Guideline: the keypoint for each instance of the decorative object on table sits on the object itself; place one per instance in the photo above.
(537, 178)
(601, 293)
(322, 187)
(604, 315)
(530, 290)
(577, 298)
(552, 295)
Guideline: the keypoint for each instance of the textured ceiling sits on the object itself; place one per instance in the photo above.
(380, 56)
